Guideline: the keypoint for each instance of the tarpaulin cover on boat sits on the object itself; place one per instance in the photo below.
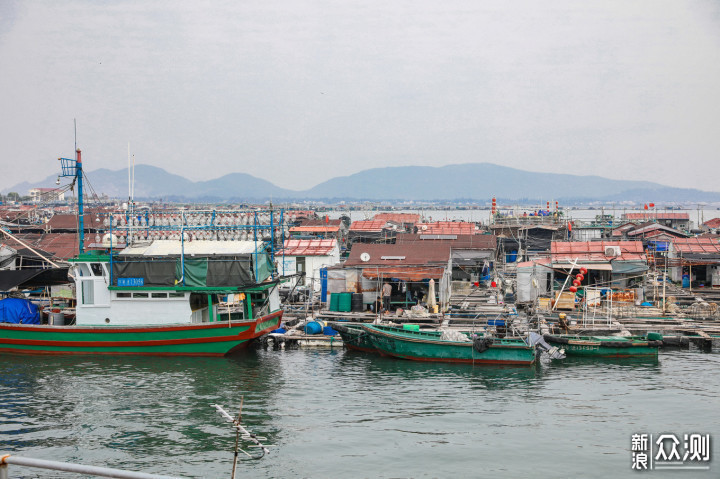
(18, 311)
(154, 273)
(198, 272)
(30, 278)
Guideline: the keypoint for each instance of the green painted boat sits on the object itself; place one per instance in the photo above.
(429, 346)
(605, 346)
(354, 337)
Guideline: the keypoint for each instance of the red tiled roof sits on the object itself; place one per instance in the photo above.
(313, 247)
(713, 223)
(447, 227)
(656, 216)
(696, 245)
(368, 225)
(398, 217)
(568, 251)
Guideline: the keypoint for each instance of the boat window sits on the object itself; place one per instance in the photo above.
(96, 269)
(159, 295)
(123, 295)
(176, 295)
(140, 295)
(83, 269)
(88, 292)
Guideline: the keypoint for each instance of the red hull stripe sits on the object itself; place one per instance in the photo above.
(124, 344)
(106, 353)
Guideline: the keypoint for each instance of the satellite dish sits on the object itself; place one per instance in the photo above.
(365, 257)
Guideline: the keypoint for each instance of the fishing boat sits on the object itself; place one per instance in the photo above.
(162, 296)
(354, 337)
(430, 345)
(607, 346)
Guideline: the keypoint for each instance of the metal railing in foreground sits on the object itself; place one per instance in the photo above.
(7, 459)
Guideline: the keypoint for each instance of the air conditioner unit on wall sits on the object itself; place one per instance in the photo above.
(613, 251)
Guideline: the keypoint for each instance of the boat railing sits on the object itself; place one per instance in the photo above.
(97, 471)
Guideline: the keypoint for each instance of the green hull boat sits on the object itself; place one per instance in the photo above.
(429, 346)
(354, 337)
(605, 346)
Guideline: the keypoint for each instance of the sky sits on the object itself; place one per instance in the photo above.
(300, 91)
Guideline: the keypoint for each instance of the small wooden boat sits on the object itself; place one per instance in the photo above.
(606, 346)
(354, 337)
(430, 346)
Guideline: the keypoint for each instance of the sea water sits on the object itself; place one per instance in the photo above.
(337, 413)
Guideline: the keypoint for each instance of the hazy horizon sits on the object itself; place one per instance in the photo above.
(297, 93)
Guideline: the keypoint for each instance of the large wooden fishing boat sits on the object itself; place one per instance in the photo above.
(163, 296)
(430, 346)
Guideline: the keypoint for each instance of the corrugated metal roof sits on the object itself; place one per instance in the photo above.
(469, 241)
(315, 229)
(447, 227)
(656, 216)
(368, 225)
(696, 245)
(197, 247)
(320, 222)
(398, 217)
(59, 245)
(70, 222)
(415, 254)
(407, 273)
(311, 247)
(594, 251)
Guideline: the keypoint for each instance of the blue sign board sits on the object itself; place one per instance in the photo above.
(131, 282)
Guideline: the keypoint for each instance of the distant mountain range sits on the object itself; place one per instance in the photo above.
(467, 182)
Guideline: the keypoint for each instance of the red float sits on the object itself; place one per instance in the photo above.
(583, 270)
(580, 277)
(573, 289)
(576, 282)
(493, 284)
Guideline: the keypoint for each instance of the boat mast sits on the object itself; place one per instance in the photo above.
(81, 213)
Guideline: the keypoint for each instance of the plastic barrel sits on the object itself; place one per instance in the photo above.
(57, 319)
(313, 327)
(345, 303)
(496, 322)
(357, 302)
(334, 301)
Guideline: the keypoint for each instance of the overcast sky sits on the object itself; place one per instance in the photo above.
(300, 91)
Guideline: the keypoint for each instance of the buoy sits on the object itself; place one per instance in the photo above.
(493, 284)
(576, 282)
(580, 277)
(583, 270)
(573, 289)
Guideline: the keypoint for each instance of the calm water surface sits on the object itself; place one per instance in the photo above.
(345, 414)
